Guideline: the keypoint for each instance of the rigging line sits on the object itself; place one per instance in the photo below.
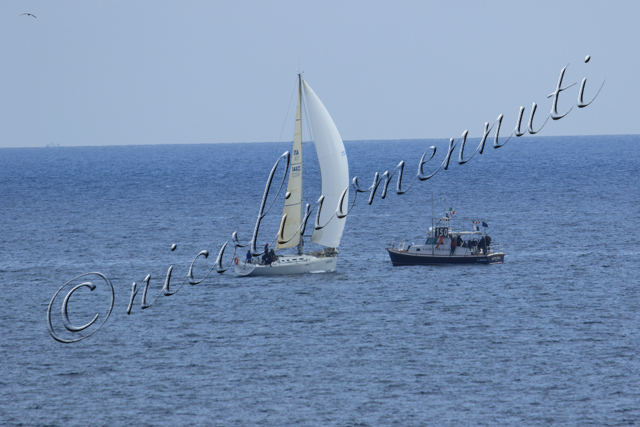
(285, 118)
(307, 122)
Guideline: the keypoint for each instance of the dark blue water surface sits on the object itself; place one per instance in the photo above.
(551, 337)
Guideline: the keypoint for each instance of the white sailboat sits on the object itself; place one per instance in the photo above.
(334, 169)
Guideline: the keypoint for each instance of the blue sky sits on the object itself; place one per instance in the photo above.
(167, 72)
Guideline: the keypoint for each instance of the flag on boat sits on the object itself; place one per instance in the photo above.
(484, 224)
(451, 211)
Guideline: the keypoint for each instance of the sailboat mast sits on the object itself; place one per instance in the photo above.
(298, 136)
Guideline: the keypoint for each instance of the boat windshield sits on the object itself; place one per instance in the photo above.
(432, 241)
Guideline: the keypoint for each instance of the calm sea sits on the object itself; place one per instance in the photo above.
(550, 337)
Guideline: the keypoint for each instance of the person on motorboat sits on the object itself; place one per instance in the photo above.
(482, 245)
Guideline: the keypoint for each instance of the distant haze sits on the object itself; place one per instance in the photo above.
(167, 72)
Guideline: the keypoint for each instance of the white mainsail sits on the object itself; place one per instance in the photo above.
(293, 203)
(334, 168)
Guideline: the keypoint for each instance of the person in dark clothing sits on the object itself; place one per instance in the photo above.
(482, 246)
(272, 256)
(488, 242)
(472, 244)
(454, 243)
(248, 257)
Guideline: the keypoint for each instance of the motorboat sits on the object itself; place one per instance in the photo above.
(447, 244)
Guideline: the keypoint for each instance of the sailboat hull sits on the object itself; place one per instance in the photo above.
(289, 264)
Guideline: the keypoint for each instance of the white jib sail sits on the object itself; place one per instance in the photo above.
(334, 168)
(293, 204)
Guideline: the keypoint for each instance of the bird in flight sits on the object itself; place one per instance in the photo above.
(28, 14)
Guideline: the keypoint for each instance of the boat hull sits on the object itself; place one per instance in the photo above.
(399, 258)
(289, 264)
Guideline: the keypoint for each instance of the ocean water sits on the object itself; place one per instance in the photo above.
(550, 337)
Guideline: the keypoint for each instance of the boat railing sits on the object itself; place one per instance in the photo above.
(404, 245)
(492, 250)
(399, 246)
(495, 248)
(256, 261)
(280, 259)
